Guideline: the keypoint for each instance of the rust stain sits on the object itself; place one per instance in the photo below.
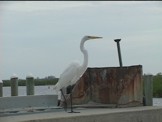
(130, 104)
(109, 85)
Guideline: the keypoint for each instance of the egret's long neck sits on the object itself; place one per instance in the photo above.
(85, 53)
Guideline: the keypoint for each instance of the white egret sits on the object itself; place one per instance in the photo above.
(73, 72)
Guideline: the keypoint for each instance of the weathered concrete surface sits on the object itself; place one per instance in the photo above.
(132, 114)
(110, 85)
(29, 101)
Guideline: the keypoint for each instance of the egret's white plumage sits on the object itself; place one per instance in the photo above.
(73, 72)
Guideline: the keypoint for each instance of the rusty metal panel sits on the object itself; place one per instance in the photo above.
(110, 85)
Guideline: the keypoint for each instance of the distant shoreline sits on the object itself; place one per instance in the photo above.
(157, 84)
(37, 82)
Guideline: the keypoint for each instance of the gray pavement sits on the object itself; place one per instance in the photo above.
(131, 114)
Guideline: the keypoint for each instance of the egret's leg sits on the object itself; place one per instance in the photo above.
(64, 100)
(72, 102)
(71, 99)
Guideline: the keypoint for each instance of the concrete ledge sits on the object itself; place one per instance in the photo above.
(19, 102)
(132, 114)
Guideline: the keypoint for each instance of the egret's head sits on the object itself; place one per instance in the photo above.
(91, 37)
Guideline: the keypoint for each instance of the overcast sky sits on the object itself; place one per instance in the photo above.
(43, 37)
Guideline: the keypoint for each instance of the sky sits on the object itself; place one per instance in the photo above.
(43, 37)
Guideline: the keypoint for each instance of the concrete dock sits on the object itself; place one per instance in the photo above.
(131, 114)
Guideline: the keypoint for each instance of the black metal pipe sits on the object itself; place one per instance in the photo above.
(119, 52)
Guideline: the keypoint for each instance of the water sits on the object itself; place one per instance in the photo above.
(44, 90)
(39, 90)
(157, 101)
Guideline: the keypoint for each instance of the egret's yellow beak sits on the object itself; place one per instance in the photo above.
(94, 37)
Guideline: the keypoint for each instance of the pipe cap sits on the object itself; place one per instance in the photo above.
(148, 73)
(117, 40)
(14, 76)
(30, 75)
(1, 81)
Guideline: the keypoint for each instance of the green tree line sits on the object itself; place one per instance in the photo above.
(157, 85)
(36, 82)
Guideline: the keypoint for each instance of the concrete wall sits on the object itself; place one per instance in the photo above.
(29, 101)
